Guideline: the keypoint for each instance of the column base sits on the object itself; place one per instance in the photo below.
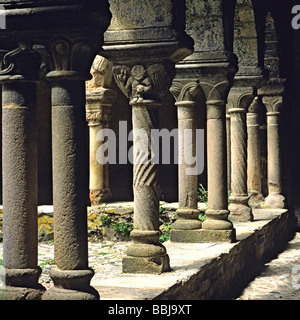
(146, 254)
(21, 284)
(217, 227)
(71, 285)
(239, 209)
(275, 201)
(14, 293)
(187, 219)
(150, 265)
(256, 200)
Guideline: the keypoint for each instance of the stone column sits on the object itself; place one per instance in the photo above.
(20, 175)
(98, 114)
(239, 99)
(275, 199)
(188, 213)
(253, 152)
(217, 226)
(72, 276)
(272, 93)
(20, 193)
(144, 57)
(146, 254)
(228, 139)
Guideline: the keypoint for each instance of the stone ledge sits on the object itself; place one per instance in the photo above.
(207, 270)
(202, 235)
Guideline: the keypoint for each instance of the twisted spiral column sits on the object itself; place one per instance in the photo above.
(239, 209)
(146, 254)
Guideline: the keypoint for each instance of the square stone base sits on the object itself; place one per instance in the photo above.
(202, 235)
(152, 265)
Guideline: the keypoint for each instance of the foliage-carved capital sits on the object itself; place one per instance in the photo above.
(240, 99)
(183, 91)
(273, 103)
(216, 92)
(67, 57)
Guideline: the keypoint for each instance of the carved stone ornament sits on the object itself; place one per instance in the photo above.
(20, 63)
(63, 57)
(185, 91)
(140, 83)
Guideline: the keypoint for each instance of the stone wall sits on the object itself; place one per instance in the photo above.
(225, 276)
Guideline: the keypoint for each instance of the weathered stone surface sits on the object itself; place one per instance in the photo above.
(206, 271)
(202, 235)
(153, 265)
(20, 193)
(272, 98)
(186, 94)
(253, 151)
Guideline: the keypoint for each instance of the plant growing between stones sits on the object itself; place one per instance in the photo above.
(202, 194)
(165, 232)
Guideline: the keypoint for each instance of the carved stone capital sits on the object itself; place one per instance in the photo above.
(273, 104)
(67, 57)
(98, 105)
(102, 73)
(141, 82)
(185, 91)
(239, 99)
(21, 63)
(216, 91)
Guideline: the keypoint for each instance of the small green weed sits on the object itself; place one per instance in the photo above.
(123, 228)
(202, 194)
(47, 262)
(165, 230)
(104, 253)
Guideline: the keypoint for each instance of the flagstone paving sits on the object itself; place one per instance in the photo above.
(280, 280)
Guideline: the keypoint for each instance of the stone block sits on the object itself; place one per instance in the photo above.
(151, 265)
(202, 235)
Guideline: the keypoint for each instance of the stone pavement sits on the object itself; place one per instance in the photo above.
(280, 280)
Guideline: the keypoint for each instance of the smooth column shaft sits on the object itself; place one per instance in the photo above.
(20, 190)
(20, 195)
(254, 171)
(217, 159)
(69, 174)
